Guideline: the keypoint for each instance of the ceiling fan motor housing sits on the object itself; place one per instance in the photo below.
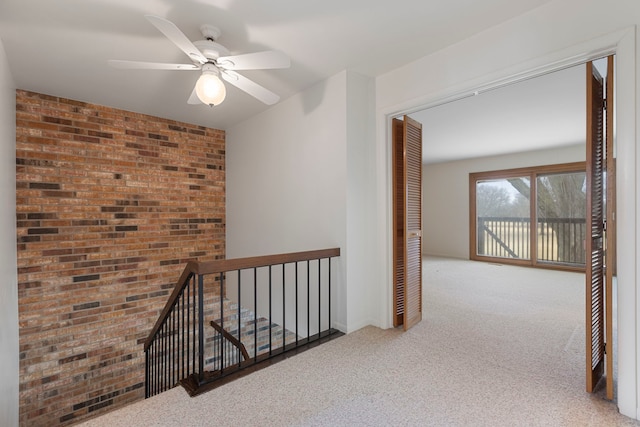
(210, 49)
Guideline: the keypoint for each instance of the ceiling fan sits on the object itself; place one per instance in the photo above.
(214, 61)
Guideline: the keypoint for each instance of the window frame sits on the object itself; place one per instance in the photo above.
(532, 172)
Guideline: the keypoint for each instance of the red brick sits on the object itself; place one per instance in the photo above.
(97, 170)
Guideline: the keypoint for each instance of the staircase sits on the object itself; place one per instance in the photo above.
(255, 336)
(203, 338)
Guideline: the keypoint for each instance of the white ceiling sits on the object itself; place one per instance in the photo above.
(540, 113)
(61, 47)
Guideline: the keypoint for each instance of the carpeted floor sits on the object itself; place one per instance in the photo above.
(498, 346)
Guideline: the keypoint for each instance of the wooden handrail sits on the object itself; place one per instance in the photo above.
(220, 266)
(233, 340)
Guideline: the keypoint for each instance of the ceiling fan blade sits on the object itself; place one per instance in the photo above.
(127, 65)
(251, 87)
(174, 34)
(268, 59)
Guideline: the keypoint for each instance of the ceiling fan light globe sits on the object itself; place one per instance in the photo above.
(210, 89)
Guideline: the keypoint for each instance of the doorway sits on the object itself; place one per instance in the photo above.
(494, 126)
(395, 100)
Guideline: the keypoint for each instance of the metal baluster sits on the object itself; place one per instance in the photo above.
(156, 365)
(308, 302)
(188, 326)
(152, 365)
(222, 347)
(270, 317)
(296, 303)
(239, 313)
(164, 356)
(173, 347)
(152, 361)
(193, 326)
(182, 331)
(255, 315)
(200, 326)
(160, 360)
(146, 373)
(329, 287)
(167, 358)
(284, 323)
(319, 297)
(176, 360)
(216, 350)
(170, 352)
(176, 344)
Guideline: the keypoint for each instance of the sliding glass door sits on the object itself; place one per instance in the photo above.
(561, 210)
(503, 218)
(529, 216)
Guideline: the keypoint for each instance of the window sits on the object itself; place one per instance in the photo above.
(529, 216)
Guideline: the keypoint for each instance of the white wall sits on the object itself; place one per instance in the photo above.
(445, 205)
(286, 175)
(9, 347)
(287, 179)
(558, 34)
(298, 178)
(361, 207)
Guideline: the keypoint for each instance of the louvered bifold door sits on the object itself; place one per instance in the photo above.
(595, 341)
(413, 246)
(610, 233)
(399, 210)
(407, 222)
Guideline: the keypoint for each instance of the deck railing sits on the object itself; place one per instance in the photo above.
(226, 316)
(559, 240)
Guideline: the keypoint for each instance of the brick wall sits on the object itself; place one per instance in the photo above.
(110, 205)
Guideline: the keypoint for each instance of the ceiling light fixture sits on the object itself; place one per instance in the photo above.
(209, 87)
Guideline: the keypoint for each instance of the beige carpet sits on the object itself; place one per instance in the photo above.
(498, 346)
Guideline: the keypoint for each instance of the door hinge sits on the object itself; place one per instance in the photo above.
(604, 104)
(604, 348)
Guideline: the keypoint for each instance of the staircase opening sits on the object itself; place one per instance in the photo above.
(225, 319)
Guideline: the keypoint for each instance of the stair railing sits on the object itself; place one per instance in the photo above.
(235, 342)
(289, 306)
